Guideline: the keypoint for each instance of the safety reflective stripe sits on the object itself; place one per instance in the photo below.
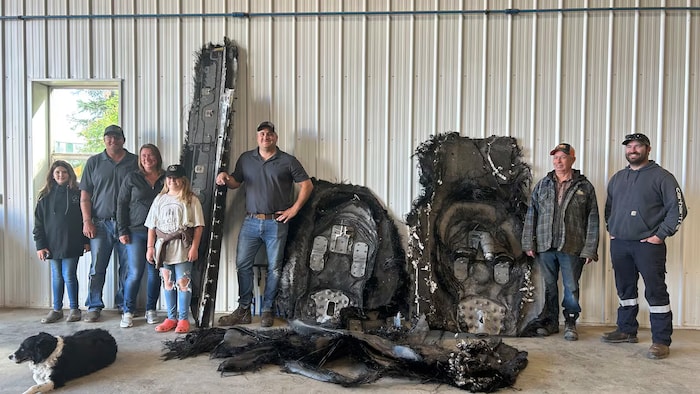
(630, 302)
(660, 309)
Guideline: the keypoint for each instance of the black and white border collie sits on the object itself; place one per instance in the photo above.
(54, 360)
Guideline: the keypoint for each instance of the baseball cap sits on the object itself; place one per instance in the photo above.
(636, 137)
(266, 125)
(114, 129)
(563, 147)
(175, 171)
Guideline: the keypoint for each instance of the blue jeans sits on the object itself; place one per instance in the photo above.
(571, 267)
(106, 239)
(178, 294)
(63, 273)
(254, 233)
(136, 264)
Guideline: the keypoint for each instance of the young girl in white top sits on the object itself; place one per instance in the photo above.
(175, 223)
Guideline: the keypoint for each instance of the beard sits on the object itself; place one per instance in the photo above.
(641, 158)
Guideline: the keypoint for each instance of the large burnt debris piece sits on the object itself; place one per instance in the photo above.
(204, 154)
(344, 259)
(468, 269)
(351, 358)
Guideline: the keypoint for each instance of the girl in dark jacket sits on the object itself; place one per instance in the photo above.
(58, 226)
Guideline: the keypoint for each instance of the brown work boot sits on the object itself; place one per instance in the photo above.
(240, 316)
(267, 319)
(658, 351)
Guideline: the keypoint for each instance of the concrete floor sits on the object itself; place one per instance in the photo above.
(555, 365)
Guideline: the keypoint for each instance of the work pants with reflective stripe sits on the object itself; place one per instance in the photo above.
(629, 260)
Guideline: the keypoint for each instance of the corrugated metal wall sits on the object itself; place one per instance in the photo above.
(355, 86)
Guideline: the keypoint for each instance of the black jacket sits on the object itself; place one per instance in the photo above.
(58, 223)
(135, 198)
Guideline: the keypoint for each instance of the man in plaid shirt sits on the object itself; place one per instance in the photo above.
(561, 232)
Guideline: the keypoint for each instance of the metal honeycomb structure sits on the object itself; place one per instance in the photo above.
(204, 154)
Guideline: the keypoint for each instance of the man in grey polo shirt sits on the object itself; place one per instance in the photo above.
(269, 175)
(102, 177)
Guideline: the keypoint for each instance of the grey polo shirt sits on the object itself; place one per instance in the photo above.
(269, 185)
(102, 178)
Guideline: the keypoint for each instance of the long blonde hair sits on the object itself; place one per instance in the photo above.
(50, 182)
(186, 194)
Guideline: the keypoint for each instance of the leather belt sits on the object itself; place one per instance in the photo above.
(263, 216)
(105, 219)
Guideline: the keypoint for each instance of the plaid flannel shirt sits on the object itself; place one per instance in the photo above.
(581, 225)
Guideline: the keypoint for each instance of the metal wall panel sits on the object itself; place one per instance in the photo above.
(354, 91)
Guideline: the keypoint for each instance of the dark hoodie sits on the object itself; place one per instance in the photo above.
(644, 202)
(58, 223)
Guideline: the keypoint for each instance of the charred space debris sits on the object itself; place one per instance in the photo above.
(468, 269)
(348, 284)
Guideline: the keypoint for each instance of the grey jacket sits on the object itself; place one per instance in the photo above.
(581, 225)
(644, 202)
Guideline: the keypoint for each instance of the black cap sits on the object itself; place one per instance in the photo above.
(636, 137)
(563, 147)
(175, 171)
(114, 129)
(267, 125)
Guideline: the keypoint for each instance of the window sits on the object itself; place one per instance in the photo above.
(68, 121)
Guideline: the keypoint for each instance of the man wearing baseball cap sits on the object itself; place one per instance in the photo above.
(644, 206)
(269, 175)
(99, 186)
(561, 233)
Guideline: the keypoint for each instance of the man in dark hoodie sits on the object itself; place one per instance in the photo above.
(561, 232)
(645, 205)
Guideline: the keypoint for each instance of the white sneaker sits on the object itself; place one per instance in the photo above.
(152, 317)
(127, 320)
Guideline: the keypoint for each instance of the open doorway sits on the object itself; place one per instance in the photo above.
(68, 119)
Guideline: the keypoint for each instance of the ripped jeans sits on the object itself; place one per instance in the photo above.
(178, 291)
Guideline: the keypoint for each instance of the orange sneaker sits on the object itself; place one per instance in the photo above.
(183, 326)
(166, 325)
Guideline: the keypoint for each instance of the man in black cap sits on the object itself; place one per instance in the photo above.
(645, 205)
(269, 175)
(102, 177)
(561, 232)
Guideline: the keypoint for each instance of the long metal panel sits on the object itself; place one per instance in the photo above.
(523, 55)
(3, 169)
(352, 93)
(102, 31)
(401, 166)
(147, 81)
(306, 59)
(170, 82)
(472, 75)
(377, 104)
(330, 79)
(19, 248)
(56, 43)
(689, 289)
(284, 106)
(79, 35)
(448, 43)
